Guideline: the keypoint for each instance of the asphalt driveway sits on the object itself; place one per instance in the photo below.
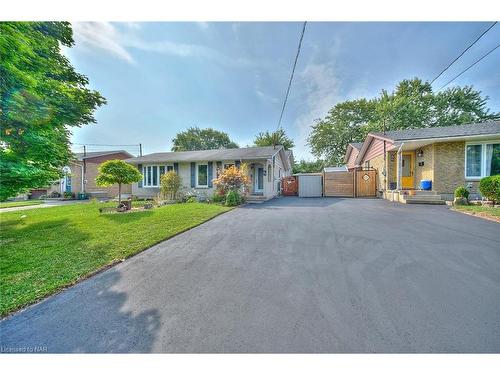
(289, 275)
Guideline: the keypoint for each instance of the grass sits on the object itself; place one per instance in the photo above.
(493, 212)
(20, 203)
(46, 249)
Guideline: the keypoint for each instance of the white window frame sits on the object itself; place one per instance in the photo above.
(145, 174)
(483, 158)
(197, 168)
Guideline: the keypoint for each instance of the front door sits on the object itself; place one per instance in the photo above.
(259, 180)
(407, 171)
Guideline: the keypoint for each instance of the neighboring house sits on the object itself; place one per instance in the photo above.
(80, 175)
(351, 155)
(448, 156)
(267, 165)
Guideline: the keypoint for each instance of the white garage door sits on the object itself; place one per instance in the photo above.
(310, 186)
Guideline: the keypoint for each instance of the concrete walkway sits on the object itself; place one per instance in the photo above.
(290, 275)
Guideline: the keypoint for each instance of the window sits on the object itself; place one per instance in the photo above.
(152, 174)
(482, 160)
(202, 175)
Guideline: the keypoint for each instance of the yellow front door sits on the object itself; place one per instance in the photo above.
(407, 167)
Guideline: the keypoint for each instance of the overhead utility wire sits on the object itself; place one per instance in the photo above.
(470, 66)
(291, 76)
(465, 50)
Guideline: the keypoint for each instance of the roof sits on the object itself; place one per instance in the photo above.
(356, 145)
(206, 155)
(89, 155)
(484, 128)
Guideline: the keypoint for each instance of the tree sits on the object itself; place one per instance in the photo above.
(412, 104)
(278, 137)
(41, 98)
(170, 184)
(308, 166)
(232, 179)
(117, 172)
(195, 138)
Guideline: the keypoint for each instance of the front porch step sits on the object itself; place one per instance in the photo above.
(424, 199)
(253, 198)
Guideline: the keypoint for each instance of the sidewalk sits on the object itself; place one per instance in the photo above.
(43, 205)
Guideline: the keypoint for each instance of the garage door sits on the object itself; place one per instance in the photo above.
(310, 186)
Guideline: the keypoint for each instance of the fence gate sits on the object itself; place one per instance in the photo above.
(290, 185)
(366, 183)
(338, 184)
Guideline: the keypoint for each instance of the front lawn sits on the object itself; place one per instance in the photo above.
(20, 203)
(482, 211)
(44, 250)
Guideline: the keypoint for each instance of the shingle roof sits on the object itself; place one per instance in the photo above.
(205, 155)
(484, 128)
(356, 145)
(80, 155)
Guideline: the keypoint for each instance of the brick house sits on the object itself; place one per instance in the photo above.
(448, 157)
(82, 171)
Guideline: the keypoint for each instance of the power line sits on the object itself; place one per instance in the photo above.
(470, 66)
(465, 50)
(98, 144)
(291, 76)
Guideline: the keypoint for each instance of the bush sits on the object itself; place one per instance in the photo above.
(191, 200)
(170, 184)
(490, 188)
(233, 178)
(68, 194)
(218, 198)
(462, 192)
(55, 194)
(233, 198)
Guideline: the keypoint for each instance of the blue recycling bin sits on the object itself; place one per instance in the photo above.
(426, 184)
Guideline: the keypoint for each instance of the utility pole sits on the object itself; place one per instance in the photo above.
(385, 160)
(140, 149)
(84, 179)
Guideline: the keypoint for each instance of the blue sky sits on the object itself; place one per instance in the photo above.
(160, 78)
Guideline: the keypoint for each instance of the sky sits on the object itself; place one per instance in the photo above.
(161, 78)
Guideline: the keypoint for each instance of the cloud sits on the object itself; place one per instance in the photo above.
(322, 91)
(118, 42)
(103, 36)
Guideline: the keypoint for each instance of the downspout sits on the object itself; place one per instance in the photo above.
(400, 160)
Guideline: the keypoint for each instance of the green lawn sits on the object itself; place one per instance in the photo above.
(20, 203)
(480, 210)
(51, 248)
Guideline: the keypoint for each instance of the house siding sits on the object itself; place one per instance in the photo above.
(351, 162)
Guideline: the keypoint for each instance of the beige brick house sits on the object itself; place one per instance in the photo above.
(442, 157)
(80, 175)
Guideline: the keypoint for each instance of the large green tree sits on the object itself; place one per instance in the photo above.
(277, 137)
(195, 138)
(412, 104)
(41, 98)
(304, 166)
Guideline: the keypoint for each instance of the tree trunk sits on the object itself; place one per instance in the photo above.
(119, 195)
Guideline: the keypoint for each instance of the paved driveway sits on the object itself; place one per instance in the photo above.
(290, 275)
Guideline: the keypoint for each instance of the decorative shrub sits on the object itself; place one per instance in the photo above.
(55, 194)
(490, 188)
(117, 172)
(232, 179)
(68, 194)
(191, 200)
(233, 198)
(462, 192)
(218, 198)
(170, 184)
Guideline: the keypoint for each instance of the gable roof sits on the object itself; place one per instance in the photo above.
(89, 155)
(356, 145)
(484, 128)
(245, 153)
(350, 147)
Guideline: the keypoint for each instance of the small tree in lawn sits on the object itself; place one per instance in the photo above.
(117, 172)
(170, 184)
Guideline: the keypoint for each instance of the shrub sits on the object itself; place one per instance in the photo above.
(191, 200)
(490, 188)
(233, 179)
(462, 192)
(55, 194)
(233, 198)
(68, 194)
(170, 184)
(218, 198)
